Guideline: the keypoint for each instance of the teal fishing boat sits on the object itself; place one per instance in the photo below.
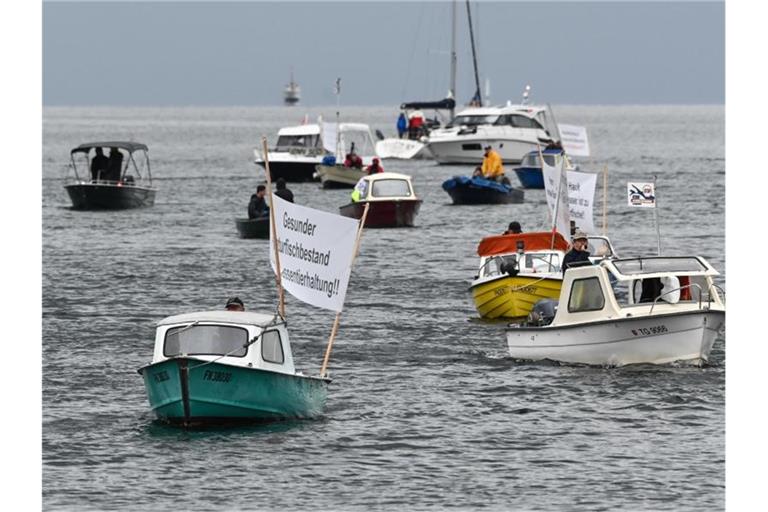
(227, 366)
(233, 366)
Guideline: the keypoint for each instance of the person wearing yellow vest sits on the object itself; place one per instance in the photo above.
(492, 168)
(359, 192)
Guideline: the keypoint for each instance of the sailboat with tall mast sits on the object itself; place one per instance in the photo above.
(511, 130)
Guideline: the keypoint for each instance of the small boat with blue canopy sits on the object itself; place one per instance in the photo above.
(478, 190)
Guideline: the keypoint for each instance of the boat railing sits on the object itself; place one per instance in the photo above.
(675, 290)
(717, 288)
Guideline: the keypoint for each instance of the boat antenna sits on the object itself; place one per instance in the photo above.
(526, 94)
(338, 108)
(280, 292)
(478, 96)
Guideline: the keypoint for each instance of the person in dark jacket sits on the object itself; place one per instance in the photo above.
(99, 165)
(282, 191)
(375, 167)
(578, 252)
(257, 207)
(114, 165)
(514, 228)
(234, 304)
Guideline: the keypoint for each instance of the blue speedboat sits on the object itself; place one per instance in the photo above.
(477, 190)
(529, 172)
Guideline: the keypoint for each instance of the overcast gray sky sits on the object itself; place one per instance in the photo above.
(200, 53)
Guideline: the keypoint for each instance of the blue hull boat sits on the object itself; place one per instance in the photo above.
(529, 172)
(476, 190)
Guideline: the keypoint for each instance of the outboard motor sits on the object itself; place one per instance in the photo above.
(543, 312)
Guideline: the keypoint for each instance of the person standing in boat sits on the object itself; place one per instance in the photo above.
(492, 168)
(114, 165)
(283, 191)
(99, 165)
(578, 253)
(374, 167)
(415, 125)
(257, 207)
(402, 125)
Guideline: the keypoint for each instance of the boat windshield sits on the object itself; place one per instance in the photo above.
(532, 160)
(518, 121)
(217, 340)
(391, 188)
(474, 120)
(655, 265)
(298, 141)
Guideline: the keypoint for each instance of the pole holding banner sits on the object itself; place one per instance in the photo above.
(280, 292)
(335, 327)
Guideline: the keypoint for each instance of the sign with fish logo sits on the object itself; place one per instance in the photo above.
(641, 195)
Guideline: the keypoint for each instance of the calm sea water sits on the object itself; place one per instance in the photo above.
(426, 411)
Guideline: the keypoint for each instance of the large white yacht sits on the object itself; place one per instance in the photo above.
(512, 130)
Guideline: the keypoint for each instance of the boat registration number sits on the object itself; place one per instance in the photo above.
(161, 376)
(215, 376)
(647, 331)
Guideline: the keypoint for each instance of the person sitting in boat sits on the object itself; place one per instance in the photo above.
(374, 167)
(478, 173)
(514, 228)
(578, 253)
(402, 125)
(99, 165)
(358, 193)
(492, 168)
(114, 165)
(282, 191)
(352, 159)
(257, 207)
(234, 304)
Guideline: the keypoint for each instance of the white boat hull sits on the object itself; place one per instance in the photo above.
(403, 149)
(468, 149)
(658, 339)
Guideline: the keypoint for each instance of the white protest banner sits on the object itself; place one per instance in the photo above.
(574, 139)
(315, 250)
(556, 190)
(581, 196)
(641, 195)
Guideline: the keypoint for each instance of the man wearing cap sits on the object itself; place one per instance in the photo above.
(492, 168)
(578, 253)
(234, 304)
(514, 228)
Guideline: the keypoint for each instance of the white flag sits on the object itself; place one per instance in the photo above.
(574, 139)
(315, 253)
(581, 196)
(642, 195)
(556, 189)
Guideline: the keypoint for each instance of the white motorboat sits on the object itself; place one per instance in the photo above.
(298, 150)
(626, 311)
(403, 149)
(292, 92)
(512, 130)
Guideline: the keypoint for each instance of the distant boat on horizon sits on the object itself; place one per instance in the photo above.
(292, 92)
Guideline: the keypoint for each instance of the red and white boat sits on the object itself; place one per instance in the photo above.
(393, 201)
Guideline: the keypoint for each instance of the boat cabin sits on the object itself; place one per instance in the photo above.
(622, 288)
(552, 156)
(514, 116)
(237, 338)
(301, 139)
(385, 186)
(126, 163)
(524, 253)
